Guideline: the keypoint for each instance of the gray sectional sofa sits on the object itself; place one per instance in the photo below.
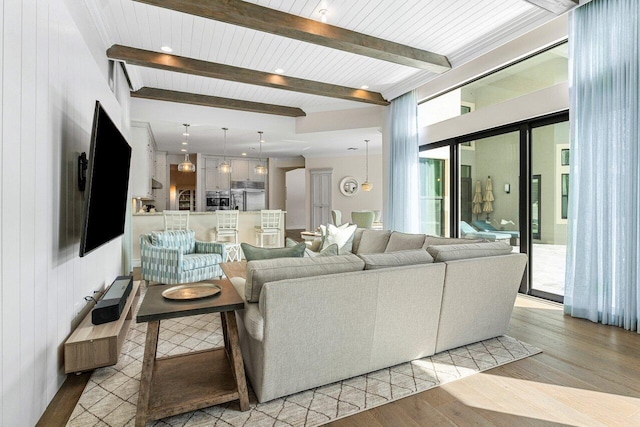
(399, 297)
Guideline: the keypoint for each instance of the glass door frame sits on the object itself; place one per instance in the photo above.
(525, 129)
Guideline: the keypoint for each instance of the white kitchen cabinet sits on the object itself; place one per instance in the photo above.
(142, 161)
(239, 169)
(214, 180)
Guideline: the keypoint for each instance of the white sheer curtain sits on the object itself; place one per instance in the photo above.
(603, 254)
(402, 212)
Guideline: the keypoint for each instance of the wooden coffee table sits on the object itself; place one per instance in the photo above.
(186, 382)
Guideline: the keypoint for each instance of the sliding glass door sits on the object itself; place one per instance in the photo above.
(549, 203)
(434, 193)
(473, 186)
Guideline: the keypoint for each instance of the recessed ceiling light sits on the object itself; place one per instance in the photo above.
(352, 148)
(184, 150)
(278, 71)
(244, 154)
(185, 133)
(364, 87)
(166, 49)
(184, 143)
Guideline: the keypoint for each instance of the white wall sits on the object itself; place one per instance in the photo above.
(50, 82)
(348, 166)
(295, 183)
(276, 179)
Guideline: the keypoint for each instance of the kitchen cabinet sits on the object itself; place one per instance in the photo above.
(244, 170)
(239, 170)
(142, 161)
(214, 180)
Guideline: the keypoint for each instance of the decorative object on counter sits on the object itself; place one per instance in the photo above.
(488, 198)
(186, 165)
(349, 186)
(366, 185)
(260, 169)
(269, 226)
(176, 220)
(225, 166)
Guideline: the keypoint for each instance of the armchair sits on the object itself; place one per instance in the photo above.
(175, 257)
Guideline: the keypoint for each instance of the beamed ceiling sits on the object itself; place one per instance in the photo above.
(221, 72)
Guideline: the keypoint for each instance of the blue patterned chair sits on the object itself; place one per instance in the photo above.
(175, 257)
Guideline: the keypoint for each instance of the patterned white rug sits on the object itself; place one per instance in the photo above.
(111, 395)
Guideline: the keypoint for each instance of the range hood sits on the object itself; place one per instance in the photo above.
(156, 185)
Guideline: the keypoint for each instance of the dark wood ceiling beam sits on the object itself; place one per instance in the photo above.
(180, 64)
(273, 21)
(555, 6)
(215, 101)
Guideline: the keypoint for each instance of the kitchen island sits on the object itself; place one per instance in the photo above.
(200, 222)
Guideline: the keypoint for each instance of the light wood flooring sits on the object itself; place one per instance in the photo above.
(588, 374)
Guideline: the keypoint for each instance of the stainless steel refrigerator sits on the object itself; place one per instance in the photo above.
(248, 199)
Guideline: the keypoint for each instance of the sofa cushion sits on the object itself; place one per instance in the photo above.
(194, 261)
(373, 241)
(254, 253)
(342, 236)
(183, 239)
(357, 236)
(441, 253)
(265, 271)
(437, 240)
(404, 242)
(395, 259)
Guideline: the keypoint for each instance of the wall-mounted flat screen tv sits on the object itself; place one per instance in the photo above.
(105, 201)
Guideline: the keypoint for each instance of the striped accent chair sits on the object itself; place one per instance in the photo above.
(175, 257)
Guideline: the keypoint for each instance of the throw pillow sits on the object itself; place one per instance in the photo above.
(253, 252)
(342, 236)
(330, 250)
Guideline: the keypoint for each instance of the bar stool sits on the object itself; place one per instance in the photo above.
(176, 220)
(269, 226)
(227, 225)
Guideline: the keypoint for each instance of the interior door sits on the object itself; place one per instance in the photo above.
(320, 197)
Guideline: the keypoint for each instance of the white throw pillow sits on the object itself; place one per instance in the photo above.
(341, 236)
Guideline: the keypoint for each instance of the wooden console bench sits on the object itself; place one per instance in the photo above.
(94, 346)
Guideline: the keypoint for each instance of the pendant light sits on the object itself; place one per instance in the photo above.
(225, 166)
(186, 165)
(260, 169)
(366, 185)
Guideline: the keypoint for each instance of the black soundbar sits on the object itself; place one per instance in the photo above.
(111, 305)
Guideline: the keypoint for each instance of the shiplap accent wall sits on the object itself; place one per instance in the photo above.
(49, 84)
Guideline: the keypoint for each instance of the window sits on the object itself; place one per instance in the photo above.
(565, 195)
(564, 157)
(538, 72)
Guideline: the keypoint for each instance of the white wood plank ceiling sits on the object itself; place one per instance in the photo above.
(458, 29)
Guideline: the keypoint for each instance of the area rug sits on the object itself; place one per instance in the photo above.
(110, 397)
